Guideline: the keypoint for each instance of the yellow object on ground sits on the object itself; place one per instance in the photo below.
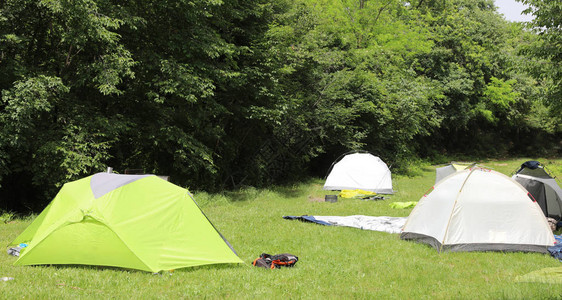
(403, 204)
(459, 167)
(356, 193)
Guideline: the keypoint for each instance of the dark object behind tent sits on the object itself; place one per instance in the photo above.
(531, 164)
(542, 186)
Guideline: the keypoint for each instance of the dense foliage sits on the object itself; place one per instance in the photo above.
(219, 94)
(547, 24)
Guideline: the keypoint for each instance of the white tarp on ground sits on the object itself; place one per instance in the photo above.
(383, 223)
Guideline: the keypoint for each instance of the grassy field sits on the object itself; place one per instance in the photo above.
(335, 262)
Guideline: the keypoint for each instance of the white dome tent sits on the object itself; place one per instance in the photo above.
(479, 210)
(359, 170)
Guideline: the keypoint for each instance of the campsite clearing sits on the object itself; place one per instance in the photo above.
(334, 262)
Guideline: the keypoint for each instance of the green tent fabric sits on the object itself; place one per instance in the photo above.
(131, 221)
(547, 275)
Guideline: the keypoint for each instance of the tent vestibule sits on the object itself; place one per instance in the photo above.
(543, 187)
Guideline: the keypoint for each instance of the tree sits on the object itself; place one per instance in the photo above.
(61, 60)
(546, 24)
(142, 84)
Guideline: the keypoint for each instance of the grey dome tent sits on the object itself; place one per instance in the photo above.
(451, 168)
(542, 186)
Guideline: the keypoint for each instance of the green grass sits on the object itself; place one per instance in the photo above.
(335, 262)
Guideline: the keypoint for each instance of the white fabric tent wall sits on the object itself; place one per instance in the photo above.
(360, 171)
(479, 210)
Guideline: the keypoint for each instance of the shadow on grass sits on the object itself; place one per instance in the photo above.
(224, 266)
(86, 267)
(300, 188)
(428, 168)
(285, 191)
(218, 266)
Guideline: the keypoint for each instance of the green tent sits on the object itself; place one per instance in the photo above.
(546, 275)
(131, 221)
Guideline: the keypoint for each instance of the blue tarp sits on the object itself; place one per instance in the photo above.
(306, 218)
(556, 250)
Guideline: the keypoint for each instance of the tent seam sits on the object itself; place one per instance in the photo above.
(453, 209)
(220, 234)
